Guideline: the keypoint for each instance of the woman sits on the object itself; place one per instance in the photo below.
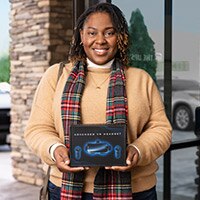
(94, 83)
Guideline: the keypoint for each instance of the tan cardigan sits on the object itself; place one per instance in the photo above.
(148, 127)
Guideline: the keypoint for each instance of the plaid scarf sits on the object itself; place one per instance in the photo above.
(108, 184)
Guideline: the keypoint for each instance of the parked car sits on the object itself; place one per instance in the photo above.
(5, 102)
(185, 99)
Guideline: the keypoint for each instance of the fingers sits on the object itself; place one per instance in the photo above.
(131, 161)
(119, 168)
(61, 155)
(132, 156)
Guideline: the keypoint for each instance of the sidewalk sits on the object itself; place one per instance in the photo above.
(18, 191)
(10, 188)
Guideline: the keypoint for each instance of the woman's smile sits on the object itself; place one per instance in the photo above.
(101, 52)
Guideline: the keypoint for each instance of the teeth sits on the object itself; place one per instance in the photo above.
(100, 50)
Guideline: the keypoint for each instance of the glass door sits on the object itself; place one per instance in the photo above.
(185, 78)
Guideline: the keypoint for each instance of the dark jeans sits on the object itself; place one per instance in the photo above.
(146, 195)
(54, 194)
(54, 191)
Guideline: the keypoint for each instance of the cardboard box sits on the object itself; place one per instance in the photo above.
(98, 145)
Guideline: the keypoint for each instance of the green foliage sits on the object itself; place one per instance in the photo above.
(141, 49)
(4, 68)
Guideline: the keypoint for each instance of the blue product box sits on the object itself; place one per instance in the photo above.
(98, 145)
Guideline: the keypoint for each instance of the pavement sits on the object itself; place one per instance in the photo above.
(18, 191)
(9, 187)
(12, 189)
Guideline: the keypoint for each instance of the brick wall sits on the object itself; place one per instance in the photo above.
(40, 32)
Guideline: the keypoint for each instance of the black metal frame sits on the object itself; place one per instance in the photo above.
(167, 100)
(167, 163)
(80, 6)
(167, 92)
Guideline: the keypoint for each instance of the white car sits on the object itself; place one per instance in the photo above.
(5, 104)
(185, 99)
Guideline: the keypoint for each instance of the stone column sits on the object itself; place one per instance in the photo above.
(40, 32)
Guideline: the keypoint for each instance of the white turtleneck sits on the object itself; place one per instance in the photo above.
(104, 66)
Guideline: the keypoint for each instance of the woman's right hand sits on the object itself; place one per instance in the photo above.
(61, 155)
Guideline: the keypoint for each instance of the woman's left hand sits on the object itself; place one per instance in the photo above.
(131, 160)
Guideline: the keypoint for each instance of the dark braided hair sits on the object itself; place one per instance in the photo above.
(77, 52)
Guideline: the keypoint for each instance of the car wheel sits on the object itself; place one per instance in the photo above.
(183, 118)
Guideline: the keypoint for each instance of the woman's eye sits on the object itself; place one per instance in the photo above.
(91, 34)
(109, 33)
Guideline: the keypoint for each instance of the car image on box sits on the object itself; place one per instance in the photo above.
(5, 103)
(185, 99)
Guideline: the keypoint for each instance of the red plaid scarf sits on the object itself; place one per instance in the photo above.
(108, 184)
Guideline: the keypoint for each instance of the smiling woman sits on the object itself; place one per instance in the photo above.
(120, 95)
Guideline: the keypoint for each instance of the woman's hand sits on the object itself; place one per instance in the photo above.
(131, 160)
(61, 155)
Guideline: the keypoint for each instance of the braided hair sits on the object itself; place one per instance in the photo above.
(77, 52)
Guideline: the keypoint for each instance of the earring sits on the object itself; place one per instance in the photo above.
(81, 43)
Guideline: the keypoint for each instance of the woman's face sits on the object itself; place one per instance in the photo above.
(99, 38)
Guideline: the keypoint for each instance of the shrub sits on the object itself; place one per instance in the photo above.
(4, 68)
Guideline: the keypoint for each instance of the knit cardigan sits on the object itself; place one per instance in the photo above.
(148, 127)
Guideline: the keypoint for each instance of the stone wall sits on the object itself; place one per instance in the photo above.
(40, 32)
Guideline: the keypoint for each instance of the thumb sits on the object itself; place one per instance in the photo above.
(130, 154)
(128, 162)
(129, 158)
